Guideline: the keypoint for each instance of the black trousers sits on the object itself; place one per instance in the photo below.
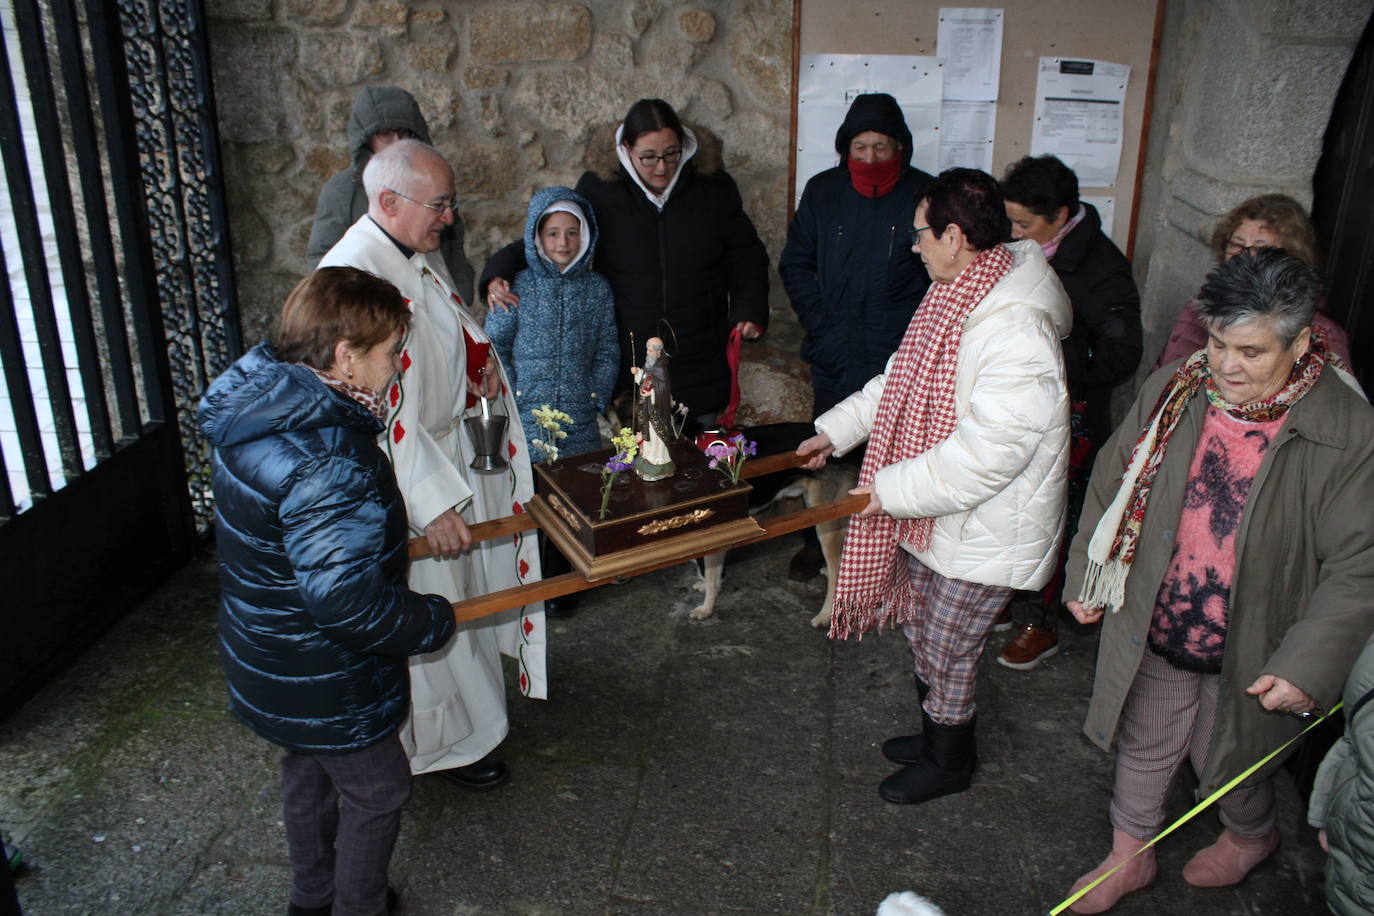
(342, 814)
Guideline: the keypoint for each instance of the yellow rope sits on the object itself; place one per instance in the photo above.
(1198, 809)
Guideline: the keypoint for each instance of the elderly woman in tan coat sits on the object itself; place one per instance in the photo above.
(1219, 538)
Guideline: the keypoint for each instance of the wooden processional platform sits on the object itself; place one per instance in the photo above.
(648, 526)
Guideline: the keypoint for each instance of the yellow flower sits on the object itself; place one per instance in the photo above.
(626, 443)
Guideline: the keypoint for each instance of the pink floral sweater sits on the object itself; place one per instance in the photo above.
(1193, 606)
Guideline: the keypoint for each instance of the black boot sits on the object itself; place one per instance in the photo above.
(909, 748)
(947, 767)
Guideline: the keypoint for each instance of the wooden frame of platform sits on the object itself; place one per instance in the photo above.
(660, 554)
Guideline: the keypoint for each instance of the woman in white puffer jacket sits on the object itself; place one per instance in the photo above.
(968, 433)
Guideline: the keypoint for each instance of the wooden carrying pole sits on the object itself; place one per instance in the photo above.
(570, 583)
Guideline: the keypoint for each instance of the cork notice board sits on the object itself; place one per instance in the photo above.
(1106, 30)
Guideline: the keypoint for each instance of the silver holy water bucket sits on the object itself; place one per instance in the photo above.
(488, 436)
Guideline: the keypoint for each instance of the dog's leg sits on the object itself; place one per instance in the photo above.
(831, 535)
(713, 566)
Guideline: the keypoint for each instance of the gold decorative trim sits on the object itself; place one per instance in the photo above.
(563, 511)
(677, 521)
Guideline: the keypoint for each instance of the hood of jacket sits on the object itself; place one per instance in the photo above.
(601, 156)
(382, 108)
(1031, 285)
(873, 111)
(260, 396)
(540, 203)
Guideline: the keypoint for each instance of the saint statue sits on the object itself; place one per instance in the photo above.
(653, 414)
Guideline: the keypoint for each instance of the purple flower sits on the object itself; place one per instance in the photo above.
(721, 450)
(618, 462)
(746, 448)
(712, 463)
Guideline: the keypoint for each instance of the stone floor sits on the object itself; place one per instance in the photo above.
(727, 766)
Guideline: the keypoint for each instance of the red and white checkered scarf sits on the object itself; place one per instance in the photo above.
(915, 413)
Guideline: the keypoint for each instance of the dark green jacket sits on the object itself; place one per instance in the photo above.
(1343, 798)
(343, 200)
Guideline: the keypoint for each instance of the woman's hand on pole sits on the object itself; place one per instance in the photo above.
(820, 444)
(874, 507)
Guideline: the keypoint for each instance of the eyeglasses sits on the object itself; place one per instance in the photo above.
(649, 161)
(441, 206)
(915, 234)
(1235, 248)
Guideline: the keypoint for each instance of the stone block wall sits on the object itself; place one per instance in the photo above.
(511, 91)
(1243, 95)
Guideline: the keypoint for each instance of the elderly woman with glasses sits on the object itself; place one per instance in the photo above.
(1266, 221)
(684, 261)
(1219, 546)
(968, 447)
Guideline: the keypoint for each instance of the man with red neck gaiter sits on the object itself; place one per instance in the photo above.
(848, 267)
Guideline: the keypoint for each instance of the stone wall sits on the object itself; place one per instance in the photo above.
(1244, 91)
(511, 91)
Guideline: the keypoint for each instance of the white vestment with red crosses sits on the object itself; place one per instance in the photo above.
(458, 695)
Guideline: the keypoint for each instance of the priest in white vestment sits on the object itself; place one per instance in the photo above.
(458, 696)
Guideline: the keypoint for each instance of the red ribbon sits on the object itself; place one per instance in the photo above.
(727, 417)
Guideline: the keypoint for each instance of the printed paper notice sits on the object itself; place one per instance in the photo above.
(969, 41)
(1078, 116)
(828, 83)
(966, 132)
(1106, 209)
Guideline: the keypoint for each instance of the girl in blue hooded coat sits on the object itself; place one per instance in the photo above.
(560, 345)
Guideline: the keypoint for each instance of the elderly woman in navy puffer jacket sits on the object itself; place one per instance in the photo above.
(560, 346)
(315, 620)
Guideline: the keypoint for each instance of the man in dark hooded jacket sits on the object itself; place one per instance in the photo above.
(848, 267)
(381, 116)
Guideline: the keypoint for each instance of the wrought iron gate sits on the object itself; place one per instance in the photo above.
(116, 308)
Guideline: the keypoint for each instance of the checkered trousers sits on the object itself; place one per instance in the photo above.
(947, 637)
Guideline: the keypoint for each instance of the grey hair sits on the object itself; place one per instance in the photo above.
(394, 167)
(1269, 285)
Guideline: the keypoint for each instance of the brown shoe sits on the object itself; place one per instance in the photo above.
(806, 564)
(1030, 647)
